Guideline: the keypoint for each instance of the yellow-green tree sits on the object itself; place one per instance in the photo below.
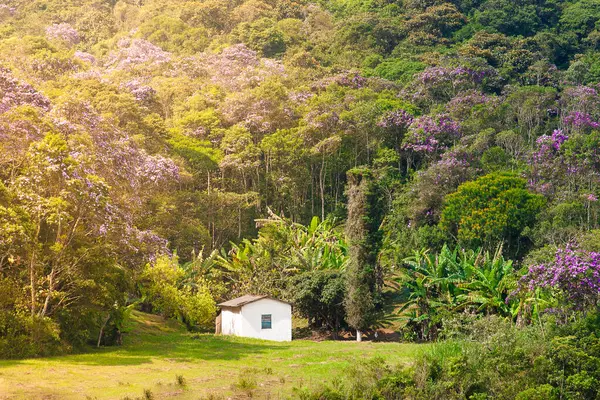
(490, 211)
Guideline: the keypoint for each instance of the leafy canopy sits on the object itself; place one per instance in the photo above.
(491, 210)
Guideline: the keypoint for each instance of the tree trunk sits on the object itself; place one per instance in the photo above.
(32, 283)
(322, 187)
(50, 291)
(102, 329)
(239, 221)
(358, 336)
(32, 266)
(312, 190)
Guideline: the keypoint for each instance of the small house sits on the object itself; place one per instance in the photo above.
(260, 317)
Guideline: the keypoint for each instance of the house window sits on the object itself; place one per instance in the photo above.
(265, 321)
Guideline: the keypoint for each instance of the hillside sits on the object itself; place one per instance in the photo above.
(427, 166)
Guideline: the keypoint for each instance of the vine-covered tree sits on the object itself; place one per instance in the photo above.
(365, 214)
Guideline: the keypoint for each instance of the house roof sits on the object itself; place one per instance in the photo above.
(249, 298)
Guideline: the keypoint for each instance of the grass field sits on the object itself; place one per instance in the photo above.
(155, 352)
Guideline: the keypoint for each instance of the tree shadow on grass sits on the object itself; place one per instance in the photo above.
(175, 348)
(107, 356)
(205, 348)
(153, 338)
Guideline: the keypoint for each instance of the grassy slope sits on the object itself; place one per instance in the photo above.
(156, 351)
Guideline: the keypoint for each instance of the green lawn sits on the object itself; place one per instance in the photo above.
(156, 352)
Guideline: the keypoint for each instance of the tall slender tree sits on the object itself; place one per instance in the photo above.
(365, 213)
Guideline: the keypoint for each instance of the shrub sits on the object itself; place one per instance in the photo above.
(181, 381)
(319, 296)
(22, 335)
(246, 383)
(163, 290)
(491, 358)
(542, 392)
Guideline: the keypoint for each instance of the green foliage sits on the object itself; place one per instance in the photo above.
(319, 297)
(23, 335)
(495, 159)
(134, 129)
(511, 18)
(283, 250)
(439, 285)
(162, 289)
(197, 153)
(261, 35)
(492, 210)
(538, 393)
(434, 24)
(492, 359)
(174, 35)
(365, 214)
(366, 31)
(396, 69)
(581, 16)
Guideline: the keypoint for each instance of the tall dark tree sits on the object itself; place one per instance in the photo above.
(365, 214)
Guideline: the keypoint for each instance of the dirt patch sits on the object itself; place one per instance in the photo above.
(171, 394)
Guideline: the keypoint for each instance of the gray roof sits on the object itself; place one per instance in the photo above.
(249, 298)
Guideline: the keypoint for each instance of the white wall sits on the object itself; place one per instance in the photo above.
(247, 320)
(281, 320)
(231, 321)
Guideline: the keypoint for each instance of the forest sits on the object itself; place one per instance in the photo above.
(430, 165)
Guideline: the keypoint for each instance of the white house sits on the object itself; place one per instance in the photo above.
(260, 317)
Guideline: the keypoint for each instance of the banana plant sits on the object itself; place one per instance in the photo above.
(455, 280)
(488, 283)
(283, 249)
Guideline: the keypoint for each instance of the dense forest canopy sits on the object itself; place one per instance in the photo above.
(167, 155)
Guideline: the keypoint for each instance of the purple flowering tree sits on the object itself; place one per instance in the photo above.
(142, 93)
(579, 121)
(566, 170)
(573, 278)
(85, 57)
(235, 68)
(131, 53)
(346, 79)
(64, 33)
(67, 204)
(428, 136)
(548, 163)
(17, 127)
(14, 93)
(462, 106)
(433, 184)
(6, 11)
(395, 124)
(397, 120)
(580, 108)
(548, 145)
(440, 84)
(584, 99)
(157, 170)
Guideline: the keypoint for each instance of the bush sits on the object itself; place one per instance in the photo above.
(319, 297)
(22, 336)
(542, 392)
(491, 358)
(397, 69)
(163, 290)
